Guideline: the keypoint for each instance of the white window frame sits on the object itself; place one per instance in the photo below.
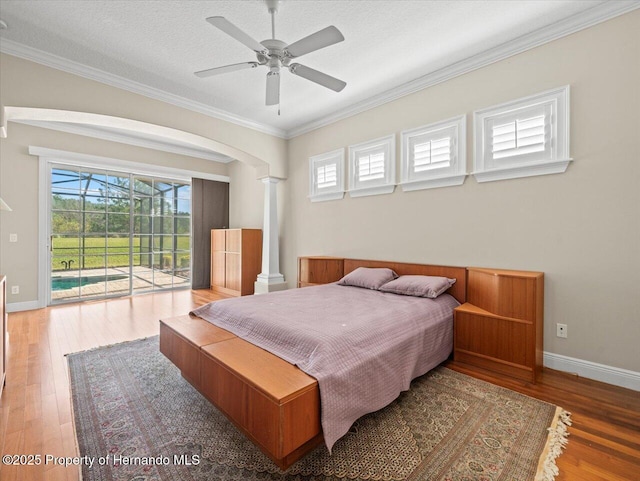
(317, 194)
(553, 159)
(385, 184)
(439, 176)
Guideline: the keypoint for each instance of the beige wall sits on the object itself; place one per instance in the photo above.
(582, 228)
(245, 191)
(27, 84)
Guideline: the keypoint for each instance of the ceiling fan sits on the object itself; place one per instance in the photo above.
(276, 54)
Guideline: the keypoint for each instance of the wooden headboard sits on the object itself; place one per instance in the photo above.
(458, 290)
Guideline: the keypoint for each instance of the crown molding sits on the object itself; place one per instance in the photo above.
(562, 28)
(54, 61)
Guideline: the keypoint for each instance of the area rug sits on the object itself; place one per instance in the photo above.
(137, 419)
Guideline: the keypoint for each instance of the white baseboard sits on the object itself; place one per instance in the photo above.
(592, 370)
(23, 306)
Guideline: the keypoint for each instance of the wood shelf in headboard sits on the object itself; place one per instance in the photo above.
(500, 327)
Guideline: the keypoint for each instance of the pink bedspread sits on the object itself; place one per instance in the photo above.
(364, 347)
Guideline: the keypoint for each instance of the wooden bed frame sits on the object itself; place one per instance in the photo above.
(274, 403)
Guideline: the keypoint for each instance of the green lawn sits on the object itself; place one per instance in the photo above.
(67, 253)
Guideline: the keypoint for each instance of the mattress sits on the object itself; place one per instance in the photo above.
(363, 346)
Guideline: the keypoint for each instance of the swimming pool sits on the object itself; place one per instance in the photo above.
(62, 283)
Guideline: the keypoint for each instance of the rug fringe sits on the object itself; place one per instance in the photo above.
(556, 442)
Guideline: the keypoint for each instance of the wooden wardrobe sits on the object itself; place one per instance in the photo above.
(236, 260)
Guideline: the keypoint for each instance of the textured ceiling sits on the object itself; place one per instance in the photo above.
(160, 43)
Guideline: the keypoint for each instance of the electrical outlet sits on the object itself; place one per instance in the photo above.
(13, 237)
(561, 330)
(15, 289)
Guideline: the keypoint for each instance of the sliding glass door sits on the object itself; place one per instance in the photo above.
(114, 233)
(161, 234)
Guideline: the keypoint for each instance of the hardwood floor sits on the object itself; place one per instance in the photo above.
(35, 408)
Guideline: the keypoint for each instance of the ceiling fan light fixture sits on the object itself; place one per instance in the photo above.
(274, 53)
(273, 86)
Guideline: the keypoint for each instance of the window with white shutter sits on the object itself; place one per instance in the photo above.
(525, 137)
(372, 167)
(370, 164)
(326, 176)
(519, 137)
(430, 154)
(434, 155)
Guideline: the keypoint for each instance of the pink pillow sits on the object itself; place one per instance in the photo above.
(418, 286)
(368, 277)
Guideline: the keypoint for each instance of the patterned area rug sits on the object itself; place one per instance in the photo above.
(137, 419)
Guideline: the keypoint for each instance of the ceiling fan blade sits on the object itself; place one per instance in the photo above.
(317, 77)
(273, 88)
(230, 29)
(315, 41)
(227, 68)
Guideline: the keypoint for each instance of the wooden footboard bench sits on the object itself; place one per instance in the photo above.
(273, 402)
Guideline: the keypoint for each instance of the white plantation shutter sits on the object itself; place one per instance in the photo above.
(519, 137)
(434, 155)
(431, 154)
(371, 165)
(327, 176)
(523, 137)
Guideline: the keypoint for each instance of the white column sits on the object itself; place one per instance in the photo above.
(270, 279)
